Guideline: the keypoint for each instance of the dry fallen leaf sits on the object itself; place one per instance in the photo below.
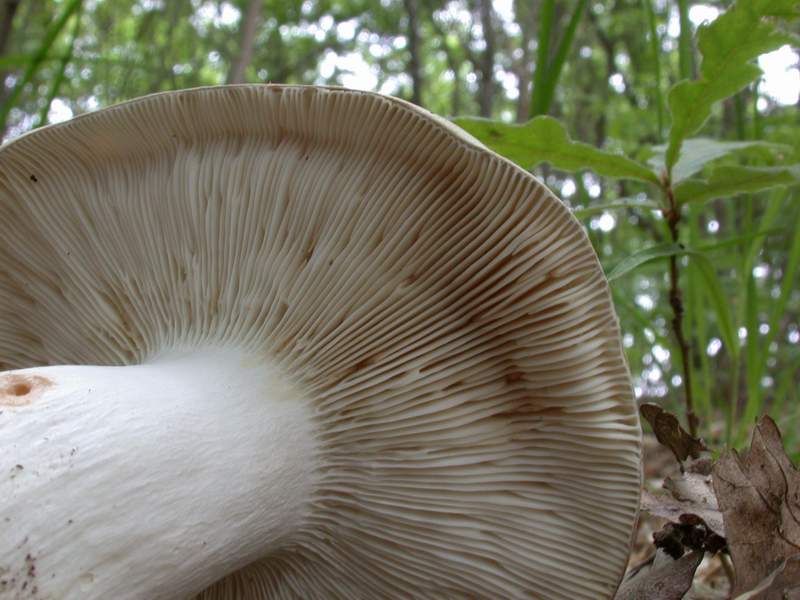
(782, 584)
(670, 433)
(667, 507)
(690, 493)
(759, 495)
(661, 578)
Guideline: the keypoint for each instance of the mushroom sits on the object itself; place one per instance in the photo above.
(301, 343)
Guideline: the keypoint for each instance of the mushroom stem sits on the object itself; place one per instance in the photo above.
(148, 481)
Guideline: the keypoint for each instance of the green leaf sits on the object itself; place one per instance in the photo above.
(727, 181)
(637, 259)
(728, 45)
(544, 139)
(698, 152)
(785, 9)
(712, 284)
(620, 203)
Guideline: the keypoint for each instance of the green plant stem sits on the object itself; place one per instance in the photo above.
(673, 218)
(787, 287)
(756, 115)
(747, 313)
(546, 18)
(787, 388)
(554, 69)
(655, 48)
(756, 362)
(733, 402)
(685, 41)
(61, 73)
(696, 301)
(741, 116)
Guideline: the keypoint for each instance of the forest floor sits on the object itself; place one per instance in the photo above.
(712, 580)
(714, 530)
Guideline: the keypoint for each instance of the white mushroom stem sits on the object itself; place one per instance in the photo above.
(147, 481)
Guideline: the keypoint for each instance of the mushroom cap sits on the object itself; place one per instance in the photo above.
(444, 314)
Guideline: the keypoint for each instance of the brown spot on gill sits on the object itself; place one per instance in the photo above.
(121, 304)
(19, 390)
(17, 288)
(514, 377)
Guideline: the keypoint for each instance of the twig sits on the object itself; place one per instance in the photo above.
(725, 560)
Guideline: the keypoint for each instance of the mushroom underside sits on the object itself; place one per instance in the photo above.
(432, 319)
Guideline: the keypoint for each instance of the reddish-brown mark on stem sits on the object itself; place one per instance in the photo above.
(20, 390)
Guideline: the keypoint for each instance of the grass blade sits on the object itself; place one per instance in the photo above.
(554, 69)
(753, 402)
(62, 68)
(685, 54)
(637, 259)
(620, 203)
(546, 20)
(738, 240)
(696, 304)
(787, 286)
(642, 320)
(719, 302)
(655, 48)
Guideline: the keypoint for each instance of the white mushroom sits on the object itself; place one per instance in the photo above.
(315, 345)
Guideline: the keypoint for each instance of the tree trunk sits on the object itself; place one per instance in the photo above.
(248, 27)
(486, 90)
(414, 65)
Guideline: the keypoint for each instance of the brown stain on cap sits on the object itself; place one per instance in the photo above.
(19, 390)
